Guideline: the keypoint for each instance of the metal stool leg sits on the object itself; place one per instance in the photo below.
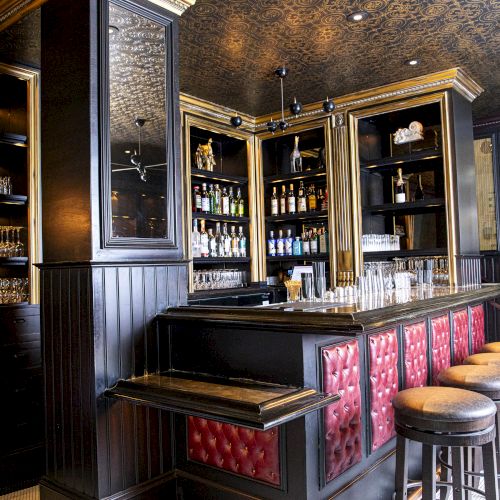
(490, 471)
(402, 467)
(428, 472)
(445, 472)
(457, 460)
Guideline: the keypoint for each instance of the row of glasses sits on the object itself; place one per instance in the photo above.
(5, 185)
(10, 241)
(216, 279)
(14, 290)
(380, 242)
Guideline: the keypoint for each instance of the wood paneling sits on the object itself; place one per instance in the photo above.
(98, 324)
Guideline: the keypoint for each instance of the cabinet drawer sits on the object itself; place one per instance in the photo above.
(20, 356)
(19, 325)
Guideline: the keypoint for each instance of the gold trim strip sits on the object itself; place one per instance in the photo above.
(178, 7)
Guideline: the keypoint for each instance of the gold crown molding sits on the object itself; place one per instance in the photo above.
(176, 6)
(12, 10)
(454, 78)
(215, 111)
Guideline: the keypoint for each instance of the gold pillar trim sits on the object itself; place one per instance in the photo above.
(176, 6)
(13, 10)
(32, 78)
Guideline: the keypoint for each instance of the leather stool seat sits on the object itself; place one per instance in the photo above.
(486, 358)
(479, 378)
(491, 347)
(443, 409)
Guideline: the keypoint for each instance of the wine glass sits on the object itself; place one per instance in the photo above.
(19, 246)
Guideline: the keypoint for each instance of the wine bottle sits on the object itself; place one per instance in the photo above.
(196, 199)
(211, 197)
(324, 201)
(400, 188)
(291, 200)
(217, 200)
(203, 239)
(419, 192)
(274, 202)
(296, 158)
(195, 240)
(283, 200)
(301, 199)
(205, 199)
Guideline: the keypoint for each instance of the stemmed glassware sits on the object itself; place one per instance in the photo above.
(214, 279)
(13, 290)
(10, 241)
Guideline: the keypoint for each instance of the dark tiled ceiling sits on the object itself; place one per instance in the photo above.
(229, 48)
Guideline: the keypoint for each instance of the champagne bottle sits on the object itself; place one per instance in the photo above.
(296, 158)
(203, 239)
(283, 202)
(301, 199)
(195, 240)
(225, 202)
(400, 188)
(291, 200)
(274, 202)
(242, 242)
(205, 199)
(419, 192)
(312, 199)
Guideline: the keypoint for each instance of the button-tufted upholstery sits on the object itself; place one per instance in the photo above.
(383, 354)
(460, 336)
(415, 355)
(491, 347)
(479, 378)
(440, 331)
(237, 449)
(483, 358)
(443, 409)
(342, 420)
(477, 328)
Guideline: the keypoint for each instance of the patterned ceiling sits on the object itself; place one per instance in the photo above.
(229, 49)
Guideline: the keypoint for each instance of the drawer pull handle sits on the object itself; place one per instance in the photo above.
(20, 320)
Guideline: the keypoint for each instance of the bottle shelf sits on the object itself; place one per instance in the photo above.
(433, 252)
(398, 161)
(220, 218)
(13, 199)
(307, 174)
(292, 258)
(14, 140)
(196, 173)
(411, 207)
(221, 260)
(319, 214)
(13, 261)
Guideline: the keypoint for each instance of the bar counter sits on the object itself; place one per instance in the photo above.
(359, 352)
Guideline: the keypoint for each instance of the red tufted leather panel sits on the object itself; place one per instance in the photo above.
(477, 328)
(237, 449)
(383, 385)
(342, 420)
(415, 355)
(460, 336)
(441, 355)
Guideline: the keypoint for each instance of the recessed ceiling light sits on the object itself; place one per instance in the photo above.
(356, 17)
(127, 151)
(113, 29)
(412, 62)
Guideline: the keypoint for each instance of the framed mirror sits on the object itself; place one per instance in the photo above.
(139, 160)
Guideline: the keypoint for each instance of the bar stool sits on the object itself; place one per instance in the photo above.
(444, 416)
(491, 347)
(485, 359)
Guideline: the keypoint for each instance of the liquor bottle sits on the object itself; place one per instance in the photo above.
(195, 240)
(289, 243)
(211, 197)
(296, 158)
(306, 247)
(242, 242)
(235, 249)
(314, 241)
(324, 202)
(233, 209)
(400, 187)
(274, 202)
(241, 204)
(301, 199)
(312, 200)
(290, 201)
(227, 241)
(297, 246)
(225, 202)
(419, 192)
(271, 245)
(203, 239)
(283, 200)
(280, 244)
(321, 197)
(205, 199)
(323, 241)
(219, 241)
(217, 200)
(196, 199)
(212, 244)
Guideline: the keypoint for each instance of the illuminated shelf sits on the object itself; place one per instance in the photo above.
(220, 218)
(13, 261)
(217, 176)
(411, 207)
(13, 199)
(314, 256)
(221, 260)
(14, 140)
(397, 161)
(319, 214)
(307, 174)
(433, 252)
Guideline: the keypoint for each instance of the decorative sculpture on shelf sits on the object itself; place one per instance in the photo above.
(204, 156)
(414, 132)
